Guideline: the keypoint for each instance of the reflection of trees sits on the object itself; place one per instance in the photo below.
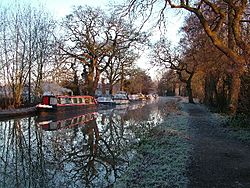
(22, 161)
(91, 158)
(144, 118)
(92, 154)
(82, 156)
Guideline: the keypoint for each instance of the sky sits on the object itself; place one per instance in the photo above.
(61, 8)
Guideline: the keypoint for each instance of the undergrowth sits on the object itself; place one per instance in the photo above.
(239, 127)
(239, 121)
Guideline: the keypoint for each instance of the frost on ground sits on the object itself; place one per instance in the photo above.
(168, 157)
(163, 154)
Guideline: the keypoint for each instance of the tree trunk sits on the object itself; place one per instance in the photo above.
(103, 87)
(29, 82)
(189, 91)
(92, 79)
(96, 80)
(234, 92)
(89, 83)
(210, 90)
(235, 79)
(122, 79)
(110, 88)
(17, 95)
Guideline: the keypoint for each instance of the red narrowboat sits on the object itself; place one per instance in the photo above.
(62, 103)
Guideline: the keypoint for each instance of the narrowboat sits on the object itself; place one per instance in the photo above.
(106, 100)
(65, 102)
(121, 98)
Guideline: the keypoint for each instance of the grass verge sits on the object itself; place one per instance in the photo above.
(162, 154)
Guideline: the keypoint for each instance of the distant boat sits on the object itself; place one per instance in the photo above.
(133, 97)
(142, 97)
(62, 103)
(106, 100)
(121, 98)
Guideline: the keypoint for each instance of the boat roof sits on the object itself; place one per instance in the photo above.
(69, 96)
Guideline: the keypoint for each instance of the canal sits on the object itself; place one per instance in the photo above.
(91, 149)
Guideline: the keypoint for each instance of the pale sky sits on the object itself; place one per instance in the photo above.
(60, 8)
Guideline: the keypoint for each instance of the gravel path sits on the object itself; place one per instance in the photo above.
(216, 159)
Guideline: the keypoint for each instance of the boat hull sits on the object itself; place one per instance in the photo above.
(105, 101)
(64, 108)
(62, 112)
(58, 106)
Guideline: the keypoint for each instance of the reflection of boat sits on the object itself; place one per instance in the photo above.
(61, 103)
(121, 98)
(50, 125)
(107, 100)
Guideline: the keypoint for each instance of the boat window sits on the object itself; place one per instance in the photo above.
(87, 100)
(53, 101)
(87, 117)
(63, 101)
(63, 123)
(80, 100)
(80, 119)
(91, 100)
(68, 100)
(68, 122)
(74, 120)
(74, 100)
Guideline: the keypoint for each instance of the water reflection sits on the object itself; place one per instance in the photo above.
(87, 150)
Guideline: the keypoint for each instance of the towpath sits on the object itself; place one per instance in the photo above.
(217, 160)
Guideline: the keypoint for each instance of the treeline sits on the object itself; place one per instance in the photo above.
(26, 46)
(87, 45)
(212, 60)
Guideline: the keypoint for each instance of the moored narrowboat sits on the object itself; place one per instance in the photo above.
(61, 103)
(106, 100)
(121, 98)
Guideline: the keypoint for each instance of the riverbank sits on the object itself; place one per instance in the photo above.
(163, 154)
(190, 148)
(15, 113)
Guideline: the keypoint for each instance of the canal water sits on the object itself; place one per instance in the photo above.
(90, 149)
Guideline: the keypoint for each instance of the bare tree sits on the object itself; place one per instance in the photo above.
(96, 40)
(139, 82)
(24, 45)
(185, 66)
(125, 40)
(120, 67)
(168, 83)
(87, 39)
(215, 17)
